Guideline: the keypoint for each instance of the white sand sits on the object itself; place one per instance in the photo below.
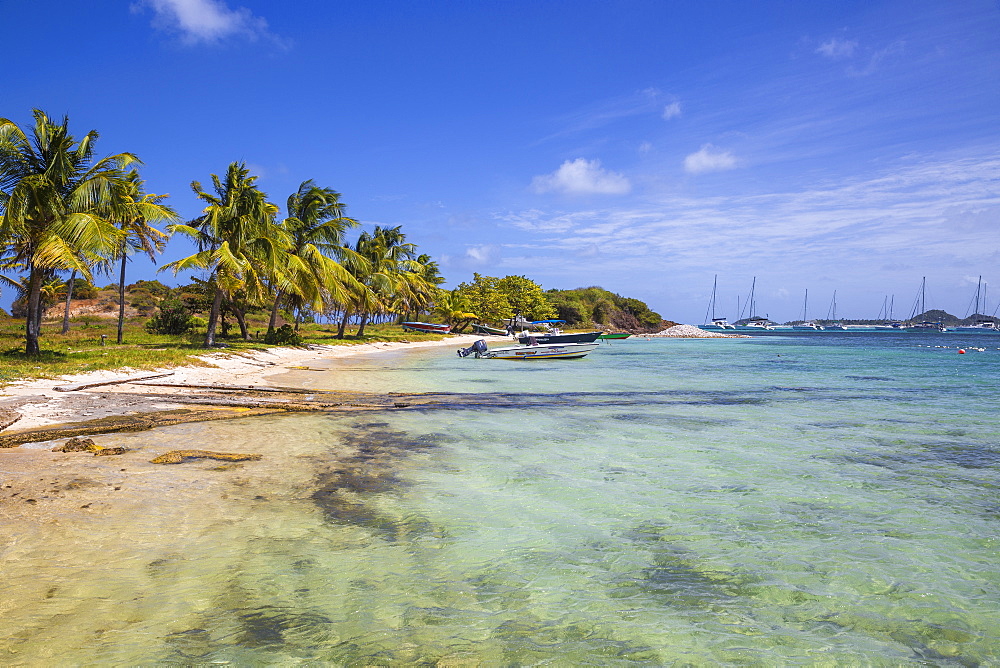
(40, 404)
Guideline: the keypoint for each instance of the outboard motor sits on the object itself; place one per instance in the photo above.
(479, 348)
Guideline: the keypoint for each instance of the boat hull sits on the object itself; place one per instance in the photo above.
(581, 337)
(425, 327)
(614, 335)
(541, 352)
(492, 331)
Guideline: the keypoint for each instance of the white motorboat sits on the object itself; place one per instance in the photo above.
(539, 351)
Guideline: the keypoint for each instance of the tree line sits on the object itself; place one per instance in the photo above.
(64, 210)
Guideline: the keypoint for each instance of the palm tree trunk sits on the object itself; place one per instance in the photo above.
(32, 324)
(121, 298)
(69, 298)
(274, 313)
(241, 318)
(343, 324)
(361, 328)
(213, 318)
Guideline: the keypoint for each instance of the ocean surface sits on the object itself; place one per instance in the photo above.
(812, 500)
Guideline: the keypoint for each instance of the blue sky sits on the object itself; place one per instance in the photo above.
(641, 146)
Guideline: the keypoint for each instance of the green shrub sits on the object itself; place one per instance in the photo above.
(284, 335)
(173, 317)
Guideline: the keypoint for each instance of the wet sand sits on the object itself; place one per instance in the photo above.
(39, 487)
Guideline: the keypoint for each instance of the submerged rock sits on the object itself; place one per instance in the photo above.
(180, 456)
(101, 452)
(78, 444)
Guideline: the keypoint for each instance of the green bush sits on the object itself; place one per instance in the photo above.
(173, 317)
(284, 335)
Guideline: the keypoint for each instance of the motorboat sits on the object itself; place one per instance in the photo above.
(555, 336)
(541, 351)
(614, 335)
(425, 327)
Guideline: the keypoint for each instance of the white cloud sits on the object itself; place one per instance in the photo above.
(672, 110)
(582, 177)
(837, 49)
(206, 20)
(709, 159)
(645, 147)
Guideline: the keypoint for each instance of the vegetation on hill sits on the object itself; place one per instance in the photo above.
(597, 307)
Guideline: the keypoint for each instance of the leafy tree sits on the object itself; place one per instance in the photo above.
(526, 298)
(56, 202)
(486, 299)
(238, 242)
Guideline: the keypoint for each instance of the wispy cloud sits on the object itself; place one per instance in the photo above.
(865, 224)
(672, 110)
(709, 159)
(582, 177)
(206, 21)
(837, 49)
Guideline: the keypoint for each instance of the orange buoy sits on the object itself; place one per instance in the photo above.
(961, 351)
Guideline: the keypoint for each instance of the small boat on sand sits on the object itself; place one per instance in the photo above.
(486, 329)
(425, 327)
(535, 352)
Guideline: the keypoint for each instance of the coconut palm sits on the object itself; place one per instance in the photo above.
(452, 306)
(239, 243)
(55, 199)
(315, 225)
(389, 256)
(133, 212)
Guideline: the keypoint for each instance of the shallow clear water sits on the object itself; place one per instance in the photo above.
(769, 501)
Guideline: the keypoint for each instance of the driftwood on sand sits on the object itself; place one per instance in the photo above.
(112, 381)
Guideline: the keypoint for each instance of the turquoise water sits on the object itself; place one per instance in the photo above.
(779, 501)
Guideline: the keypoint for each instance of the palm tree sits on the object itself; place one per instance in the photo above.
(239, 243)
(315, 225)
(134, 210)
(452, 306)
(54, 199)
(388, 256)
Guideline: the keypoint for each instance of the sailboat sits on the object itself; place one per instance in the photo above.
(717, 322)
(834, 324)
(924, 327)
(806, 326)
(979, 322)
(754, 323)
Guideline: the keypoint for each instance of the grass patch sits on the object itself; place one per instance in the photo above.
(81, 350)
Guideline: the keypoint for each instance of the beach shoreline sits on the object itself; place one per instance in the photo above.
(38, 402)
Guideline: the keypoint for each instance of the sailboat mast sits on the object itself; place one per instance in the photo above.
(978, 288)
(805, 303)
(923, 295)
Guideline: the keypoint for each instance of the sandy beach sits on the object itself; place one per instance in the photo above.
(41, 486)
